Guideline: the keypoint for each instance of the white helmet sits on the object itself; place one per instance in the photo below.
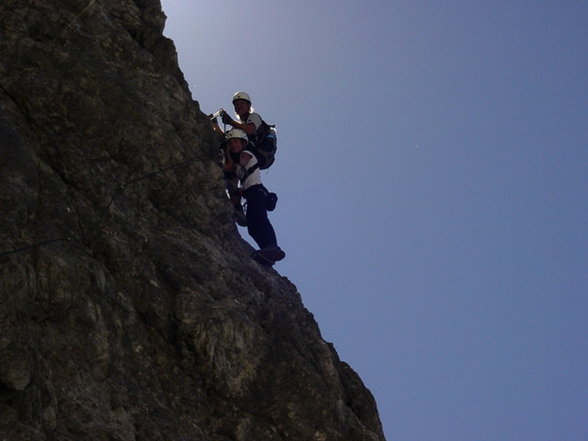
(242, 96)
(236, 133)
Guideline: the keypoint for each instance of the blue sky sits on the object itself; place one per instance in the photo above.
(433, 180)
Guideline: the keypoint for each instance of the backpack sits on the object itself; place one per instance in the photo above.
(264, 145)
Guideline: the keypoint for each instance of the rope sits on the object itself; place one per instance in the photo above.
(78, 16)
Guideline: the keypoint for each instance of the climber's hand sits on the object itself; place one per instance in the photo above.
(226, 118)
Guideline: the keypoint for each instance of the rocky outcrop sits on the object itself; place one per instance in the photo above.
(129, 307)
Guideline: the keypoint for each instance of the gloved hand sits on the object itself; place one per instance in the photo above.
(226, 118)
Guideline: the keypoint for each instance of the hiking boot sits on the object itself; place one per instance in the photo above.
(259, 258)
(272, 253)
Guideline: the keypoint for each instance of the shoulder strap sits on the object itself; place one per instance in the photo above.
(249, 171)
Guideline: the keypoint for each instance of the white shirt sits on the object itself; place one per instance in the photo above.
(255, 177)
(253, 118)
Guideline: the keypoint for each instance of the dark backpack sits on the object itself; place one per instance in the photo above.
(264, 145)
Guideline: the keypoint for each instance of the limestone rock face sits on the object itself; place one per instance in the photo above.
(129, 307)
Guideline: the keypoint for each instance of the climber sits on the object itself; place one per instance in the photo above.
(249, 121)
(244, 164)
(262, 136)
(261, 142)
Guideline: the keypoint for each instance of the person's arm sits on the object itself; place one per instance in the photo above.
(249, 128)
(244, 159)
(228, 165)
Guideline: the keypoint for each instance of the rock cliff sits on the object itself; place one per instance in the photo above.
(129, 307)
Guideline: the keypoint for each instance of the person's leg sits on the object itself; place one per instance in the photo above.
(260, 228)
(258, 224)
(232, 184)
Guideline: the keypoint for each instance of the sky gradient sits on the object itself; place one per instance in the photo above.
(432, 172)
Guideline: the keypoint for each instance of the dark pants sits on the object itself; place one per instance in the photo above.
(258, 224)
